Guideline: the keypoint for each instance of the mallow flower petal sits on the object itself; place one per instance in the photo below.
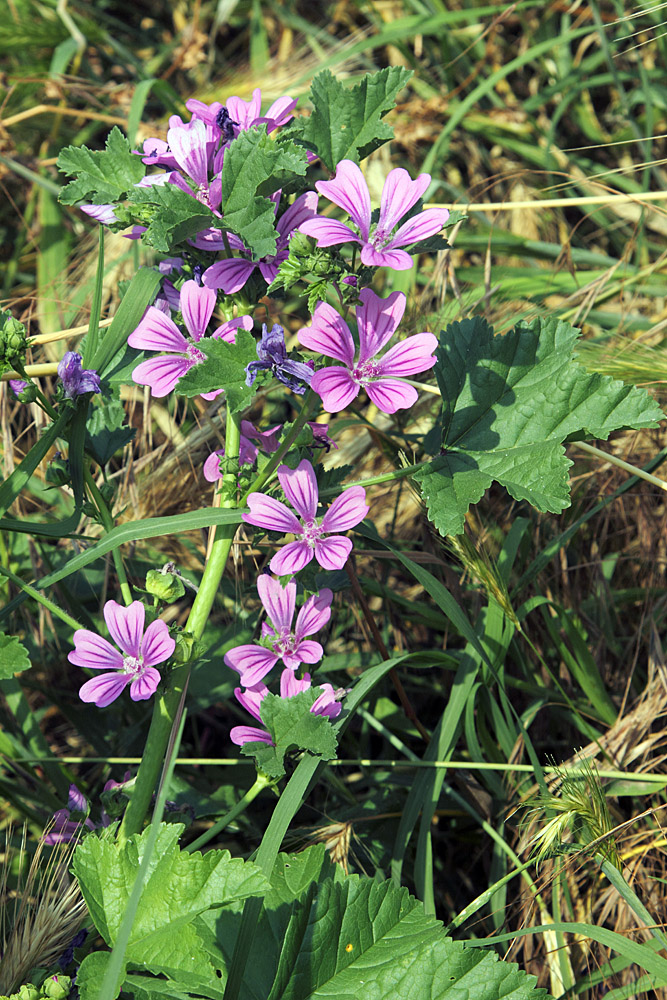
(249, 734)
(309, 651)
(230, 275)
(94, 652)
(326, 704)
(399, 194)
(280, 111)
(157, 645)
(252, 698)
(126, 625)
(378, 320)
(291, 558)
(300, 487)
(411, 356)
(197, 305)
(332, 553)
(390, 394)
(291, 685)
(145, 685)
(304, 207)
(157, 332)
(420, 227)
(252, 662)
(328, 232)
(328, 334)
(266, 512)
(336, 387)
(398, 260)
(279, 601)
(347, 510)
(104, 689)
(211, 467)
(314, 614)
(349, 191)
(161, 374)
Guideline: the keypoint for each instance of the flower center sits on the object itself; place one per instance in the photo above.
(379, 238)
(133, 664)
(194, 355)
(367, 370)
(284, 642)
(312, 531)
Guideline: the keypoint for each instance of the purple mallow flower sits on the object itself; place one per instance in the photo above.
(377, 320)
(253, 662)
(135, 665)
(379, 243)
(268, 441)
(158, 332)
(251, 699)
(272, 355)
(18, 385)
(300, 488)
(238, 116)
(77, 381)
(231, 274)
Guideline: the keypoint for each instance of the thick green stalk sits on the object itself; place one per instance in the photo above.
(168, 705)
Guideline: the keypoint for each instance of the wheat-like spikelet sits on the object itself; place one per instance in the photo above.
(41, 916)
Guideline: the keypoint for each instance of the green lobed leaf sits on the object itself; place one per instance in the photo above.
(254, 167)
(509, 404)
(347, 122)
(224, 368)
(179, 887)
(13, 656)
(293, 727)
(107, 431)
(176, 215)
(102, 176)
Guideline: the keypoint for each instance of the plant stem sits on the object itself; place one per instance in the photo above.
(107, 521)
(169, 704)
(52, 607)
(261, 783)
(592, 450)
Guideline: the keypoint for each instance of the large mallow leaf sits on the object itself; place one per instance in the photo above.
(509, 404)
(223, 368)
(347, 122)
(101, 176)
(255, 166)
(293, 727)
(354, 937)
(172, 215)
(179, 886)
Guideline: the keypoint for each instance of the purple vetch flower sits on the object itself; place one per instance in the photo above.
(134, 665)
(251, 699)
(252, 661)
(300, 487)
(377, 321)
(231, 274)
(321, 437)
(158, 332)
(268, 442)
(63, 828)
(75, 379)
(379, 244)
(272, 355)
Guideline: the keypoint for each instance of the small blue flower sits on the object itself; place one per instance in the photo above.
(76, 381)
(272, 356)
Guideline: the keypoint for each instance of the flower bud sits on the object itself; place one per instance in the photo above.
(165, 586)
(56, 988)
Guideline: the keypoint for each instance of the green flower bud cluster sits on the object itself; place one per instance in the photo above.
(13, 342)
(53, 988)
